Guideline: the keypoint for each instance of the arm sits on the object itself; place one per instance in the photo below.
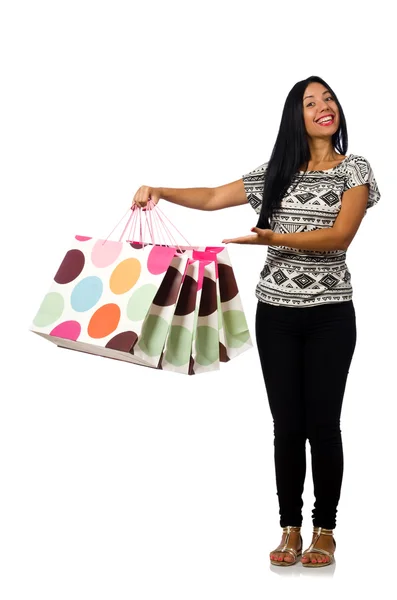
(224, 196)
(338, 237)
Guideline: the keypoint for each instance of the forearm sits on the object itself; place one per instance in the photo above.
(197, 198)
(320, 239)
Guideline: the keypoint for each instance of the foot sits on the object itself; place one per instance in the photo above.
(324, 542)
(293, 542)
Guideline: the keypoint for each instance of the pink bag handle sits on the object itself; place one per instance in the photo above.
(154, 221)
(158, 213)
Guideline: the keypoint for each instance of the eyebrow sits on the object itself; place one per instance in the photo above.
(326, 92)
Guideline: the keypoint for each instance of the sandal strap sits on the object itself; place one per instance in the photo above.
(289, 528)
(285, 549)
(322, 531)
(319, 550)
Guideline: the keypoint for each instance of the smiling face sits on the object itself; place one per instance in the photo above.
(318, 102)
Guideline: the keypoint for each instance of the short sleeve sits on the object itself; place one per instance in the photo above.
(253, 185)
(359, 172)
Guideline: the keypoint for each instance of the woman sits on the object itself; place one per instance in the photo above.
(311, 198)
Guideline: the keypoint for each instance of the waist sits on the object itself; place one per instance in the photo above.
(301, 260)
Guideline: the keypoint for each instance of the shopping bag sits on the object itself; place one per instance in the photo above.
(177, 354)
(205, 348)
(234, 335)
(101, 294)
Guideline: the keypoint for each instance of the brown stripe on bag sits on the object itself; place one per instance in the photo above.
(227, 283)
(169, 288)
(187, 298)
(208, 302)
(223, 357)
(191, 365)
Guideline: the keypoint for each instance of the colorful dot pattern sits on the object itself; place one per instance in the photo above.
(102, 292)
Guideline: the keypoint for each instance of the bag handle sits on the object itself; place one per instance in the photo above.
(154, 221)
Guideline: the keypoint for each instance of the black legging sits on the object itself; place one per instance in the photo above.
(305, 353)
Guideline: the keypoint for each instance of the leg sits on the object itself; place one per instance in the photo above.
(280, 349)
(329, 348)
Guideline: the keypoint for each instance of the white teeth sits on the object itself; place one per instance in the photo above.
(326, 119)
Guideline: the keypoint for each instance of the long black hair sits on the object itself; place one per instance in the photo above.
(292, 148)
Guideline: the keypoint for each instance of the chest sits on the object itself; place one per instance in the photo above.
(314, 201)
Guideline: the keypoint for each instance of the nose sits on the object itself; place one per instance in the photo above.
(324, 111)
(325, 106)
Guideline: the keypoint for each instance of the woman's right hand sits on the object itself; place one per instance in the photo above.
(144, 194)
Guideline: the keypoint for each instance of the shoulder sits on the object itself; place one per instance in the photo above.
(256, 173)
(358, 169)
(358, 162)
(356, 158)
(359, 172)
(253, 185)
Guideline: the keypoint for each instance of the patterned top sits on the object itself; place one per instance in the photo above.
(294, 277)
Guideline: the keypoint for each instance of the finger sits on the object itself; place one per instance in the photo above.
(140, 203)
(233, 241)
(153, 199)
(248, 239)
(136, 200)
(257, 230)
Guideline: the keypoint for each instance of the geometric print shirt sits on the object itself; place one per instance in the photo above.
(302, 278)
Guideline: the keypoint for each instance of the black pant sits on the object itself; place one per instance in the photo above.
(305, 355)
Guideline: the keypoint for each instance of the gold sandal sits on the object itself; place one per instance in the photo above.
(319, 531)
(284, 548)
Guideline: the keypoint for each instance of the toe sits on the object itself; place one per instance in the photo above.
(305, 558)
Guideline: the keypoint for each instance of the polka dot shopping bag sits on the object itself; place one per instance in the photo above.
(158, 305)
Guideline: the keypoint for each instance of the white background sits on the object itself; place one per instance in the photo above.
(123, 482)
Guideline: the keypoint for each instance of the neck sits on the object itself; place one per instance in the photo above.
(321, 150)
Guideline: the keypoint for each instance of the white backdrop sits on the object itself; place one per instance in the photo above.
(123, 482)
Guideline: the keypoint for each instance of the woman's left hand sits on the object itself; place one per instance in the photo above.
(261, 236)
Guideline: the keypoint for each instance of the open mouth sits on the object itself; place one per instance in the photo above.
(326, 122)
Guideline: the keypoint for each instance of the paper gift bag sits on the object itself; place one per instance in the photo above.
(210, 326)
(177, 355)
(205, 347)
(150, 345)
(233, 328)
(234, 336)
(101, 295)
(192, 345)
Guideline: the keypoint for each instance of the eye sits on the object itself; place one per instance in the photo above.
(327, 98)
